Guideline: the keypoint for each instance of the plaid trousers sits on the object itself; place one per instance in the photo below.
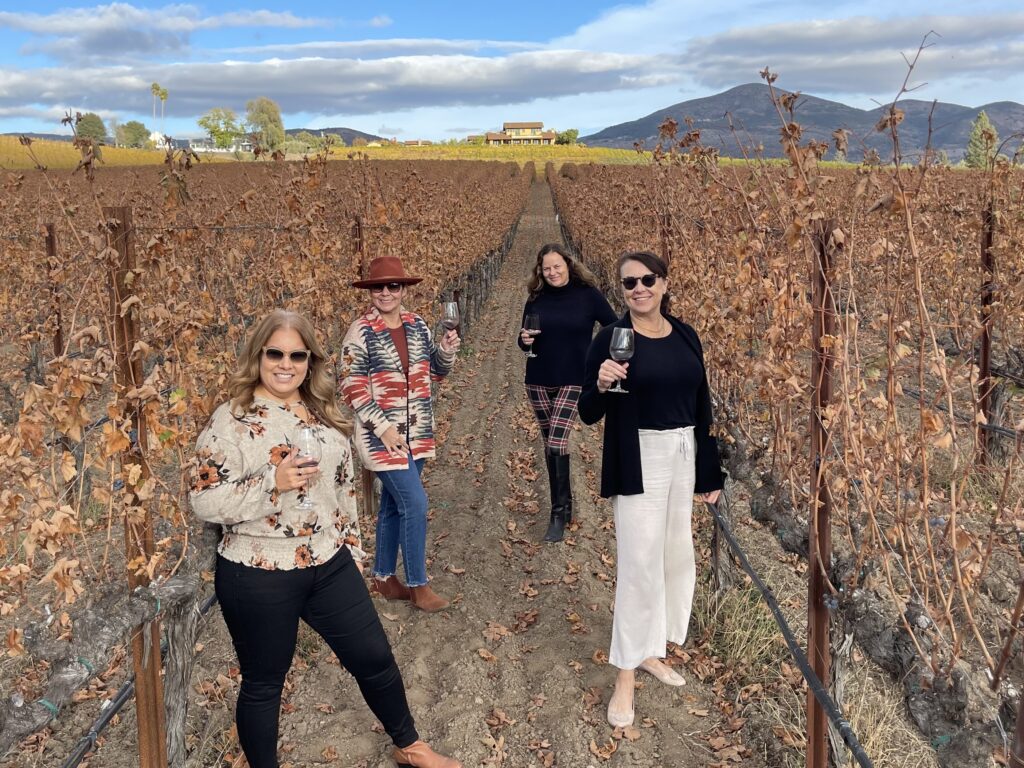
(555, 408)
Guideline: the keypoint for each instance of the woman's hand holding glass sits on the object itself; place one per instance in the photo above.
(450, 341)
(609, 373)
(292, 475)
(531, 327)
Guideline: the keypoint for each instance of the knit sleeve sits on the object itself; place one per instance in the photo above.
(441, 361)
(592, 403)
(709, 468)
(603, 312)
(356, 389)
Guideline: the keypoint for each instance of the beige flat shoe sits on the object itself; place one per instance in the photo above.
(663, 672)
(419, 755)
(620, 718)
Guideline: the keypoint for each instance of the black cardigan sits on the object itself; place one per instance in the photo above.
(621, 472)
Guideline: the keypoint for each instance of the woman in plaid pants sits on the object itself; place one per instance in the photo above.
(565, 299)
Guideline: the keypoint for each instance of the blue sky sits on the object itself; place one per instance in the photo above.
(441, 70)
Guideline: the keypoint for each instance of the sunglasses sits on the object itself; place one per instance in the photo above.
(392, 287)
(275, 355)
(629, 283)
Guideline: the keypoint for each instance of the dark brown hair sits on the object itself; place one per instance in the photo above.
(577, 272)
(653, 262)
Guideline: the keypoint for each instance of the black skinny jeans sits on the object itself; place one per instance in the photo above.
(262, 610)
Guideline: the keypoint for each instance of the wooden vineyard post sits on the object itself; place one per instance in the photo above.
(52, 266)
(366, 477)
(985, 382)
(138, 525)
(1017, 748)
(1004, 657)
(820, 523)
(358, 243)
(666, 234)
(368, 494)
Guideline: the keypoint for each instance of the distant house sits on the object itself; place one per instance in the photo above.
(417, 143)
(207, 145)
(521, 133)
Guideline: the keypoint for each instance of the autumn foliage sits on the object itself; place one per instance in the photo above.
(216, 248)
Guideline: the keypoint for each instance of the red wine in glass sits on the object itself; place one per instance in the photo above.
(621, 350)
(531, 324)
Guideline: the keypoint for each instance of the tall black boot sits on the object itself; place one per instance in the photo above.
(561, 496)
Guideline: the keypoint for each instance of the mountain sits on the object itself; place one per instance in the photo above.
(44, 136)
(757, 122)
(347, 134)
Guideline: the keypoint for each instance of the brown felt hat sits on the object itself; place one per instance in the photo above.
(386, 269)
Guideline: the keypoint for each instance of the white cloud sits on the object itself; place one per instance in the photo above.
(381, 21)
(861, 55)
(387, 47)
(340, 86)
(171, 18)
(120, 29)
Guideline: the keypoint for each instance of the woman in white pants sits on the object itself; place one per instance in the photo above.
(658, 453)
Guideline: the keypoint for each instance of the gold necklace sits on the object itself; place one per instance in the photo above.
(651, 331)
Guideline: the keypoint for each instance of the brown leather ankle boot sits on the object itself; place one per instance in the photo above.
(419, 755)
(390, 588)
(427, 600)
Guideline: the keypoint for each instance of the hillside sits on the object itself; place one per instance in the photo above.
(347, 134)
(757, 122)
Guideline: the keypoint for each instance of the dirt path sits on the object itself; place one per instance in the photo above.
(516, 672)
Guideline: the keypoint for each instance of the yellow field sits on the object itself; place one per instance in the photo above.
(557, 154)
(60, 154)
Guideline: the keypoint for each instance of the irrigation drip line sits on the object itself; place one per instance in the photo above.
(815, 685)
(123, 696)
(1011, 434)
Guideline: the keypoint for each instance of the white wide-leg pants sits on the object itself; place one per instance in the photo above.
(656, 571)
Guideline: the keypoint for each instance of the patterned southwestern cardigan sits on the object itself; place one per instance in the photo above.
(382, 396)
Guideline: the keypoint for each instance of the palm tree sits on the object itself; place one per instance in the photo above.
(163, 102)
(155, 90)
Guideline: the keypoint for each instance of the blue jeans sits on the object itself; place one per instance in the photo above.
(402, 520)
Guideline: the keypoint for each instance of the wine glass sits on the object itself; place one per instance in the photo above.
(621, 349)
(450, 315)
(531, 324)
(308, 453)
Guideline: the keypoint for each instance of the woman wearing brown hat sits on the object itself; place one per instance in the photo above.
(389, 363)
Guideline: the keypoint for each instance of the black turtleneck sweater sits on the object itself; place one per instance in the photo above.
(567, 317)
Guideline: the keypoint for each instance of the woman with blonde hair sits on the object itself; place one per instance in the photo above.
(290, 546)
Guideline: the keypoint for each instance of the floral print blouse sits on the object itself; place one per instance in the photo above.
(233, 484)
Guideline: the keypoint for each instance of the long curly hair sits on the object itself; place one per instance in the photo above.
(317, 389)
(578, 273)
